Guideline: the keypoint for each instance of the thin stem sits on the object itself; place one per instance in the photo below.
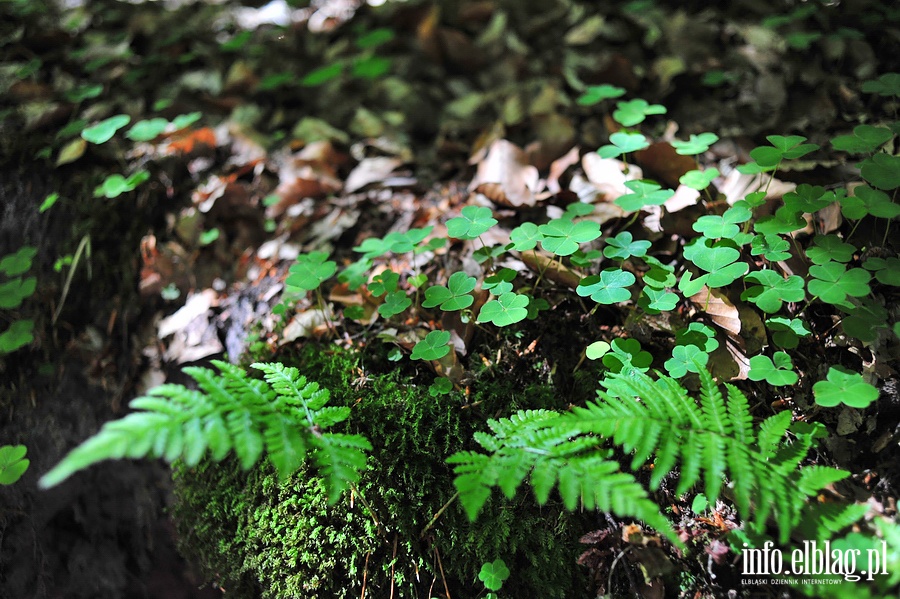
(438, 514)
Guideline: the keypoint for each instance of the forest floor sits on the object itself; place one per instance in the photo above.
(272, 132)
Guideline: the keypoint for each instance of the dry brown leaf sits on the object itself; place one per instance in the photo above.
(560, 166)
(719, 308)
(371, 170)
(664, 163)
(506, 177)
(608, 175)
(552, 269)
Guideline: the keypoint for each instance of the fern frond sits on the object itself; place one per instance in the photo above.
(710, 440)
(283, 415)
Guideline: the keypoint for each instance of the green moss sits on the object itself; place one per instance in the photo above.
(259, 538)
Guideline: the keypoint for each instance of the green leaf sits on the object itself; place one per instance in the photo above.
(655, 301)
(714, 226)
(783, 221)
(623, 246)
(103, 131)
(772, 247)
(147, 130)
(322, 75)
(562, 235)
(623, 143)
(453, 297)
(609, 287)
(881, 171)
(507, 309)
(686, 358)
(12, 463)
(384, 282)
(48, 202)
(786, 332)
(310, 271)
(633, 112)
(416, 281)
(207, 237)
(474, 221)
(866, 139)
(865, 320)
(777, 373)
(184, 120)
(660, 276)
(826, 248)
(19, 262)
(644, 193)
(394, 303)
(718, 259)
(493, 574)
(866, 200)
(832, 283)
(371, 67)
(887, 270)
(844, 386)
(375, 38)
(14, 292)
(697, 144)
(699, 180)
(525, 237)
(597, 350)
(18, 335)
(440, 386)
(701, 335)
(886, 85)
(773, 289)
(595, 94)
(627, 352)
(434, 346)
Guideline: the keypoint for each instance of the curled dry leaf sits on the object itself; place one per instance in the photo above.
(371, 170)
(559, 166)
(664, 164)
(719, 308)
(608, 175)
(506, 177)
(311, 173)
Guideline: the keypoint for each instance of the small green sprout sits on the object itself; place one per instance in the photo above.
(507, 309)
(434, 346)
(844, 386)
(777, 372)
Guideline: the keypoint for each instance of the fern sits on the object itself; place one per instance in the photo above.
(707, 441)
(283, 415)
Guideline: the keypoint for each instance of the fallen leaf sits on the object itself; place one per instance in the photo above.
(506, 177)
(664, 164)
(371, 170)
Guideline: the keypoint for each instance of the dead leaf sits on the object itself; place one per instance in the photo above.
(719, 308)
(560, 166)
(552, 269)
(196, 305)
(661, 161)
(608, 175)
(371, 170)
(71, 152)
(506, 177)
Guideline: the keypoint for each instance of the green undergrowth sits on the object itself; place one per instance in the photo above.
(257, 537)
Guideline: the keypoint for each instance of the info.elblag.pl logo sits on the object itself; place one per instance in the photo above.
(806, 564)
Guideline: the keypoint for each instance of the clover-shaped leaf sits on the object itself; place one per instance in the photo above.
(562, 235)
(826, 248)
(718, 259)
(777, 373)
(147, 129)
(500, 282)
(644, 193)
(773, 289)
(14, 291)
(609, 287)
(356, 274)
(576, 209)
(655, 301)
(886, 85)
(785, 220)
(507, 309)
(395, 302)
(633, 112)
(115, 185)
(525, 237)
(699, 334)
(866, 200)
(488, 252)
(627, 352)
(595, 94)
(455, 296)
(865, 320)
(843, 386)
(434, 346)
(19, 334)
(474, 221)
(832, 283)
(623, 143)
(536, 305)
(18, 262)
(597, 350)
(699, 180)
(493, 574)
(697, 144)
(786, 332)
(623, 246)
(714, 226)
(384, 282)
(440, 386)
(583, 259)
(881, 171)
(887, 270)
(373, 247)
(660, 275)
(865, 139)
(310, 271)
(103, 131)
(772, 247)
(808, 198)
(12, 463)
(416, 281)
(686, 358)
